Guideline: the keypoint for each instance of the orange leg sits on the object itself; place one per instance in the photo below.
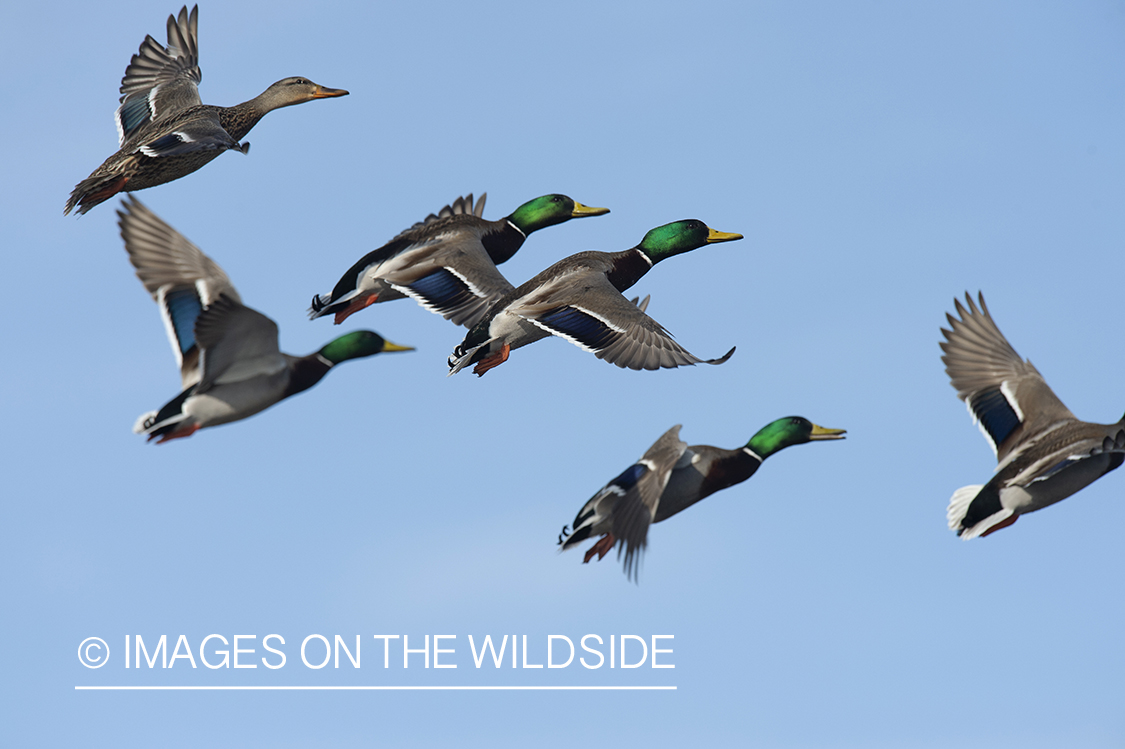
(999, 526)
(357, 304)
(492, 360)
(601, 548)
(184, 431)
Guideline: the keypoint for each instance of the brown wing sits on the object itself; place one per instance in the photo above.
(590, 313)
(1005, 394)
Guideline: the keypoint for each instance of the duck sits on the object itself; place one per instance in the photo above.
(1044, 453)
(672, 476)
(164, 130)
(447, 262)
(580, 299)
(227, 353)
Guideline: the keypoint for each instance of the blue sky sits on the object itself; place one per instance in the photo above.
(879, 158)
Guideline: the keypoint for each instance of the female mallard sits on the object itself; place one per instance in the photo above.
(579, 299)
(671, 477)
(164, 130)
(1045, 454)
(447, 262)
(230, 364)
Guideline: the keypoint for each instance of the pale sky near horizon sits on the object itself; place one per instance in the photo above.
(880, 159)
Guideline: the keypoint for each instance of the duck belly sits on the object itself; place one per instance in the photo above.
(683, 490)
(158, 171)
(515, 330)
(1060, 485)
(226, 403)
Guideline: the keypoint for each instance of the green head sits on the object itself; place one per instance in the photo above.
(792, 430)
(358, 344)
(681, 236)
(549, 210)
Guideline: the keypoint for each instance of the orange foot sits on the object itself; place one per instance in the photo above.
(361, 302)
(492, 360)
(183, 431)
(1001, 525)
(601, 548)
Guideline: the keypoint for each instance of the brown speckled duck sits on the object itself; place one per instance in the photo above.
(165, 131)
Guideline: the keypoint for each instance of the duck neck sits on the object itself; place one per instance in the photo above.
(628, 268)
(503, 241)
(241, 118)
(305, 372)
(733, 468)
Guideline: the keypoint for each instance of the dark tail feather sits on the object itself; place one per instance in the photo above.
(320, 306)
(568, 538)
(721, 359)
(93, 190)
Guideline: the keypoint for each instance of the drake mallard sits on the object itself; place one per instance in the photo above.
(579, 299)
(1045, 454)
(447, 262)
(230, 364)
(164, 130)
(671, 477)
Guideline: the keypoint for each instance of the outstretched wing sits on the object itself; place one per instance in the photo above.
(461, 206)
(1005, 394)
(161, 81)
(455, 279)
(590, 313)
(181, 279)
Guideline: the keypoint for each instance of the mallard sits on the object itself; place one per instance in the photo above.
(671, 477)
(447, 262)
(579, 299)
(230, 364)
(1045, 454)
(164, 130)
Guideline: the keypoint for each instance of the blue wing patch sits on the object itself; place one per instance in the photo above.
(134, 113)
(442, 290)
(629, 478)
(183, 307)
(995, 414)
(580, 326)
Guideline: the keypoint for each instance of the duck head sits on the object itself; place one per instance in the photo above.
(792, 430)
(358, 344)
(681, 236)
(549, 210)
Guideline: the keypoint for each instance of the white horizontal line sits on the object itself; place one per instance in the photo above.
(364, 688)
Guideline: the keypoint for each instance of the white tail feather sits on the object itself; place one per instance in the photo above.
(457, 363)
(959, 507)
(139, 427)
(594, 519)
